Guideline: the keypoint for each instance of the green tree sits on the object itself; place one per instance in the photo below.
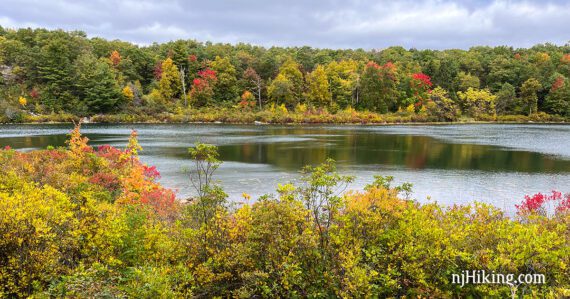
(504, 70)
(178, 52)
(445, 72)
(378, 87)
(54, 64)
(466, 81)
(170, 85)
(225, 89)
(506, 99)
(321, 195)
(280, 91)
(318, 90)
(529, 98)
(97, 88)
(558, 100)
(210, 197)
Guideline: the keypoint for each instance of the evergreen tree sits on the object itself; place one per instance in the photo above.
(178, 52)
(98, 90)
(54, 68)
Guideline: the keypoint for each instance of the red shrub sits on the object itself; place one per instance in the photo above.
(151, 172)
(106, 180)
(536, 203)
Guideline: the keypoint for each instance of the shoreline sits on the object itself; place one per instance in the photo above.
(301, 123)
(236, 116)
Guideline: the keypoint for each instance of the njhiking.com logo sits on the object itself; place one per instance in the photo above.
(484, 277)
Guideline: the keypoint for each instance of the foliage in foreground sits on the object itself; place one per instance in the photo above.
(84, 222)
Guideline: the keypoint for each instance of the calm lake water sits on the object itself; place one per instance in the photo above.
(497, 164)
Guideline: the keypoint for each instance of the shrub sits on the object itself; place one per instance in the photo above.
(84, 222)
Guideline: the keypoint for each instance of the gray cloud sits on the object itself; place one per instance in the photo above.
(437, 24)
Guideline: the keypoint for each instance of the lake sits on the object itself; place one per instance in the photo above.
(491, 163)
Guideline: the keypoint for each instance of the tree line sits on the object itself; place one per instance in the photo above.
(54, 71)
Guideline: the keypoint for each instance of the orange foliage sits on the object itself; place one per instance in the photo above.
(107, 170)
(115, 58)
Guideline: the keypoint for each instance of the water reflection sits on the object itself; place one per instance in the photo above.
(497, 164)
(290, 148)
(409, 151)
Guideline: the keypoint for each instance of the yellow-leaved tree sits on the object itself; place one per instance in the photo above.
(170, 85)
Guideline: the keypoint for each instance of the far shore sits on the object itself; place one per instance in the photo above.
(232, 117)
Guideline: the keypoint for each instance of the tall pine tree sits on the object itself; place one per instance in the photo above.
(97, 88)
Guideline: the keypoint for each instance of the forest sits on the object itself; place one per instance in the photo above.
(78, 221)
(55, 75)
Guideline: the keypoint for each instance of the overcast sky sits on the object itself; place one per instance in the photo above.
(331, 24)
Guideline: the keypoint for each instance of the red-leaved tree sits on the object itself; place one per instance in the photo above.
(420, 85)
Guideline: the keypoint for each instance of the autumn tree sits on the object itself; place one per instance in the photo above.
(169, 83)
(290, 72)
(378, 87)
(202, 89)
(128, 93)
(318, 89)
(477, 102)
(441, 106)
(255, 83)
(558, 99)
(115, 58)
(343, 78)
(247, 100)
(281, 91)
(420, 86)
(22, 101)
(564, 66)
(194, 66)
(157, 70)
